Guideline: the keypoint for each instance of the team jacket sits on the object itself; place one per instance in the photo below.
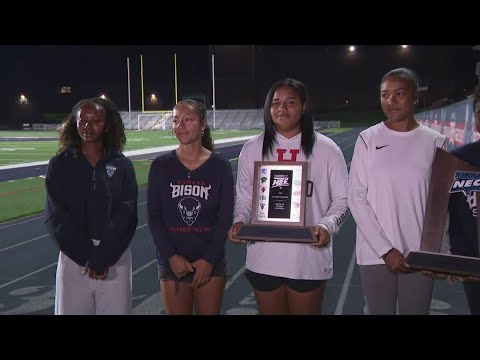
(463, 209)
(190, 212)
(85, 203)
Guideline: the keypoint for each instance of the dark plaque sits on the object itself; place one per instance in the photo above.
(444, 263)
(278, 203)
(449, 174)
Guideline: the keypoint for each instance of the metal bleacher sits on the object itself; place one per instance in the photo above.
(236, 119)
(224, 119)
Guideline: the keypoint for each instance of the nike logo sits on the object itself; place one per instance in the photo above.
(380, 147)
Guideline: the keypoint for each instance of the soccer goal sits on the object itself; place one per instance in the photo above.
(153, 121)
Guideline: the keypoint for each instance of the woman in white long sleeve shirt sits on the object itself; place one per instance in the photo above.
(290, 278)
(388, 188)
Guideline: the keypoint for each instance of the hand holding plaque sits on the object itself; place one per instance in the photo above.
(449, 175)
(278, 204)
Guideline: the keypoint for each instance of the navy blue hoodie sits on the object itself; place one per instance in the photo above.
(463, 209)
(190, 212)
(85, 203)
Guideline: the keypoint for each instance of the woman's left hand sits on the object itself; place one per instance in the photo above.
(93, 275)
(203, 270)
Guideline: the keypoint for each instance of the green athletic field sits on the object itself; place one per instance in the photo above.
(24, 197)
(16, 152)
(19, 198)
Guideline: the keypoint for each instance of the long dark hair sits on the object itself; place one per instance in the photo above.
(201, 110)
(306, 121)
(113, 140)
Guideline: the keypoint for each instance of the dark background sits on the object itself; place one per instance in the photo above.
(243, 74)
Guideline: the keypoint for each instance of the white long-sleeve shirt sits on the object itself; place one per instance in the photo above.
(327, 207)
(388, 189)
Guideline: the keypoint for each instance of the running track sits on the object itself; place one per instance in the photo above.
(28, 260)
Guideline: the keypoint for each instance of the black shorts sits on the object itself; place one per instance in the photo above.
(262, 282)
(165, 272)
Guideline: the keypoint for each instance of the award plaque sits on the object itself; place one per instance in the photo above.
(449, 175)
(278, 203)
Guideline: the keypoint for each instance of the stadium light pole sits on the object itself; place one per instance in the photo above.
(213, 89)
(143, 95)
(176, 77)
(129, 93)
(422, 89)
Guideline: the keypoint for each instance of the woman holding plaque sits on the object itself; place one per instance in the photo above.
(463, 215)
(389, 182)
(190, 207)
(288, 277)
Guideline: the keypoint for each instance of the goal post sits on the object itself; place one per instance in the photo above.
(153, 120)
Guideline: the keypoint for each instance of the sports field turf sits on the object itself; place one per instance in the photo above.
(16, 152)
(19, 198)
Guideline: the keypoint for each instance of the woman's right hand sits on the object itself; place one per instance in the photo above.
(467, 278)
(396, 261)
(438, 276)
(233, 231)
(180, 266)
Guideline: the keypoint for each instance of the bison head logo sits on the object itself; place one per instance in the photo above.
(189, 208)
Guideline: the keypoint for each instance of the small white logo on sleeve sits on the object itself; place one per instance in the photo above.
(110, 170)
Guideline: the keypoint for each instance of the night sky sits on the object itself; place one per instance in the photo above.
(243, 73)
